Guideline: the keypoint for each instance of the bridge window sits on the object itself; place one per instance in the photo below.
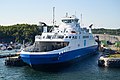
(67, 21)
(49, 36)
(43, 37)
(73, 37)
(66, 31)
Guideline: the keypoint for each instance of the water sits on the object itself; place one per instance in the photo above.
(86, 69)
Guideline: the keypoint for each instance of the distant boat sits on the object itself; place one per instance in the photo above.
(3, 47)
(64, 43)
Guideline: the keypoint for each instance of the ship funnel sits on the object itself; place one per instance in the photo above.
(90, 27)
(44, 26)
(45, 29)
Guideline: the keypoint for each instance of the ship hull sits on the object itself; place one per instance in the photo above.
(50, 59)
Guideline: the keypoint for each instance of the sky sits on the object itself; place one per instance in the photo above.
(100, 13)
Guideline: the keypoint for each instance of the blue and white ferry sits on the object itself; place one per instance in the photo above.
(62, 44)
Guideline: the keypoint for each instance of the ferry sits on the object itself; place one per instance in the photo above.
(61, 44)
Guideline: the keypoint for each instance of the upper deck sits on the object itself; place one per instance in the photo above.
(71, 19)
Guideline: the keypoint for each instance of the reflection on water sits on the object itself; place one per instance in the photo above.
(85, 69)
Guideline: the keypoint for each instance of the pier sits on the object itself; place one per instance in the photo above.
(109, 58)
(110, 50)
(14, 61)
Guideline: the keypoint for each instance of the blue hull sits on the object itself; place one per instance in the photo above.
(57, 58)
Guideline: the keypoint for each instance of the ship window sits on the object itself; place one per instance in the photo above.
(66, 37)
(85, 36)
(61, 37)
(76, 20)
(46, 46)
(69, 36)
(43, 37)
(75, 37)
(67, 21)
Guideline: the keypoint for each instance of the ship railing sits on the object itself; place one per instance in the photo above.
(50, 37)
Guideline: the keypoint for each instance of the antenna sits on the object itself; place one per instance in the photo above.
(53, 19)
(53, 16)
(81, 20)
(66, 14)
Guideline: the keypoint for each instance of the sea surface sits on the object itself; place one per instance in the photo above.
(86, 69)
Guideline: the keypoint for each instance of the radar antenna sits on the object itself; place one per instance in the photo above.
(53, 16)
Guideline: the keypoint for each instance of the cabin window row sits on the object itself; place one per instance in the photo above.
(61, 37)
(71, 37)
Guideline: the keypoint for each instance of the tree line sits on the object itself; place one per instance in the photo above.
(18, 33)
(27, 32)
(106, 31)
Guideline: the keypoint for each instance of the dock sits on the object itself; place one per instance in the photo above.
(109, 49)
(14, 61)
(109, 58)
(109, 62)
